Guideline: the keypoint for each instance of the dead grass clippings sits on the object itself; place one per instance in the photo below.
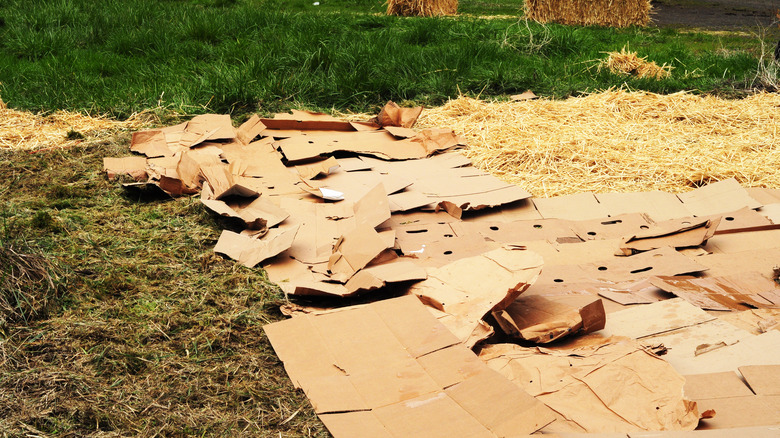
(619, 141)
(28, 283)
(626, 62)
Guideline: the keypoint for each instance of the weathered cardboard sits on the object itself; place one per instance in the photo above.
(376, 277)
(737, 242)
(250, 251)
(540, 320)
(151, 143)
(652, 319)
(771, 212)
(469, 288)
(742, 220)
(133, 166)
(717, 198)
(752, 350)
(734, 412)
(393, 115)
(660, 206)
(752, 432)
(391, 369)
(580, 206)
(733, 292)
(250, 129)
(763, 379)
(677, 233)
(610, 385)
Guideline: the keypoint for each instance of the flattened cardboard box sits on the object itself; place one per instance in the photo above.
(391, 369)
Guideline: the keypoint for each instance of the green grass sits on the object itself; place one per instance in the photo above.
(122, 56)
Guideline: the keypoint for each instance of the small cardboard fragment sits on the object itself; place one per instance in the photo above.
(377, 277)
(319, 168)
(151, 143)
(469, 288)
(393, 115)
(354, 251)
(133, 166)
(250, 129)
(526, 95)
(677, 233)
(608, 385)
(250, 251)
(541, 321)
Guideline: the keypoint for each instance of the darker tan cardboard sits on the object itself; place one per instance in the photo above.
(389, 359)
(250, 251)
(250, 129)
(540, 320)
(258, 213)
(595, 386)
(438, 253)
(514, 211)
(660, 206)
(764, 195)
(628, 293)
(763, 379)
(133, 166)
(526, 95)
(393, 115)
(353, 251)
(580, 206)
(715, 385)
(318, 168)
(503, 274)
(664, 316)
(676, 233)
(717, 198)
(733, 292)
(151, 143)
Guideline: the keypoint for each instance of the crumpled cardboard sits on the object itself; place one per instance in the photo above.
(677, 233)
(467, 289)
(393, 115)
(390, 368)
(250, 251)
(540, 320)
(601, 385)
(733, 292)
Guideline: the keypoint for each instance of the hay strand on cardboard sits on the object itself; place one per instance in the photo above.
(619, 141)
(612, 13)
(422, 8)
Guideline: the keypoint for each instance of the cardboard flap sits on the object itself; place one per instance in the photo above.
(250, 129)
(540, 320)
(677, 233)
(378, 276)
(210, 127)
(250, 251)
(319, 168)
(354, 251)
(151, 143)
(715, 385)
(652, 319)
(469, 288)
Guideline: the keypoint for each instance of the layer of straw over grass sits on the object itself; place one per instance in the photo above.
(629, 63)
(612, 13)
(27, 284)
(422, 8)
(619, 141)
(25, 130)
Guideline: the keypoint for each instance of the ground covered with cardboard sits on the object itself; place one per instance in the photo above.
(424, 295)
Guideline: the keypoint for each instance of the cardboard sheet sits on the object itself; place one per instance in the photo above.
(733, 292)
(660, 206)
(539, 320)
(605, 385)
(614, 227)
(250, 251)
(717, 198)
(763, 379)
(753, 350)
(580, 206)
(391, 369)
(676, 233)
(151, 143)
(734, 412)
(715, 385)
(257, 213)
(133, 166)
(652, 319)
(353, 251)
(467, 289)
(376, 277)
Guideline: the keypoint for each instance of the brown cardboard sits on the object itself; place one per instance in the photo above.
(514, 211)
(151, 143)
(611, 385)
(391, 369)
(210, 126)
(393, 115)
(737, 242)
(539, 320)
(715, 385)
(519, 231)
(319, 168)
(378, 276)
(771, 212)
(133, 166)
(743, 220)
(250, 129)
(250, 251)
(257, 214)
(764, 195)
(756, 260)
(733, 292)
(627, 293)
(469, 288)
(677, 233)
(526, 95)
(752, 432)
(222, 183)
(614, 227)
(751, 350)
(652, 319)
(763, 379)
(736, 412)
(717, 198)
(353, 251)
(580, 206)
(660, 206)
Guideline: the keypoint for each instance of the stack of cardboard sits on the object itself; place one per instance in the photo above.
(490, 313)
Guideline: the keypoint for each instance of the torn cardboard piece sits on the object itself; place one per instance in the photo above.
(579, 206)
(377, 277)
(250, 251)
(469, 288)
(250, 129)
(652, 319)
(676, 233)
(601, 386)
(257, 214)
(733, 292)
(354, 251)
(393, 115)
(540, 320)
(390, 368)
(133, 166)
(151, 143)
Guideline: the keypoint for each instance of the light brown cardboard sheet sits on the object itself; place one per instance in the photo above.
(151, 143)
(756, 260)
(250, 251)
(764, 195)
(540, 320)
(515, 211)
(755, 321)
(652, 319)
(353, 251)
(614, 227)
(250, 129)
(393, 115)
(743, 220)
(717, 198)
(467, 289)
(676, 233)
(752, 432)
(518, 232)
(660, 206)
(391, 369)
(738, 412)
(771, 212)
(738, 242)
(133, 166)
(763, 379)
(258, 213)
(579, 206)
(715, 385)
(602, 385)
(732, 292)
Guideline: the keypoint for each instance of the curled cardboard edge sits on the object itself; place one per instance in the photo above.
(675, 233)
(550, 320)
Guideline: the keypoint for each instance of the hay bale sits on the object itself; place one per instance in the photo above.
(422, 8)
(611, 13)
(629, 63)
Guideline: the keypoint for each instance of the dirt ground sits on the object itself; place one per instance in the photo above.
(716, 14)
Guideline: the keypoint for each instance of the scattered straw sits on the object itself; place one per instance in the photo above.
(28, 131)
(628, 63)
(422, 8)
(613, 13)
(27, 283)
(619, 141)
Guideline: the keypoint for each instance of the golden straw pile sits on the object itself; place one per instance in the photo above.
(612, 13)
(24, 130)
(422, 8)
(619, 141)
(628, 63)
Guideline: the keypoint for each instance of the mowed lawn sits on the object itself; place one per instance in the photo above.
(145, 331)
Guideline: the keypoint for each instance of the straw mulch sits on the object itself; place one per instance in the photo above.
(612, 13)
(628, 63)
(422, 8)
(619, 141)
(25, 130)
